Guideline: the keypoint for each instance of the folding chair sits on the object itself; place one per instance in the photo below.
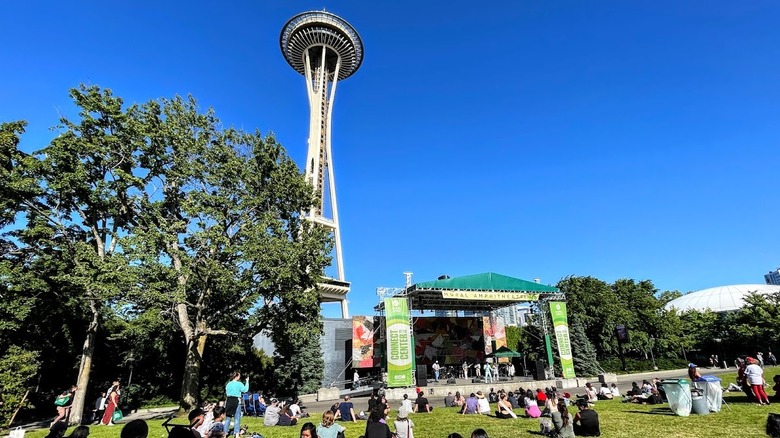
(248, 405)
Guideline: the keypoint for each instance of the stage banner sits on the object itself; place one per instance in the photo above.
(489, 296)
(399, 343)
(362, 342)
(561, 325)
(487, 334)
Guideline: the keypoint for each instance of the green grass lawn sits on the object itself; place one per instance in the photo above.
(617, 420)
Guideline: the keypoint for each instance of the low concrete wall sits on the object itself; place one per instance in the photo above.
(327, 394)
(436, 394)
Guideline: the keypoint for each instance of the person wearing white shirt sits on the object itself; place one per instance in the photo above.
(407, 403)
(755, 378)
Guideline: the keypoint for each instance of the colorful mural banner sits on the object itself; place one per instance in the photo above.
(489, 296)
(400, 360)
(362, 342)
(494, 332)
(561, 326)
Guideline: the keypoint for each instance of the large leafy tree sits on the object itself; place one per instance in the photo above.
(598, 308)
(75, 197)
(220, 236)
(756, 326)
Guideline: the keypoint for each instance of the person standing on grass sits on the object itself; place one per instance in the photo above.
(112, 404)
(63, 403)
(755, 378)
(234, 390)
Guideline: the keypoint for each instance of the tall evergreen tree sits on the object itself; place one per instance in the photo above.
(585, 362)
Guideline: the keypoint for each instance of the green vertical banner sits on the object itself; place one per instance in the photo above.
(400, 360)
(561, 326)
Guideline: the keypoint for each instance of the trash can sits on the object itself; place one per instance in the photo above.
(699, 405)
(678, 392)
(710, 387)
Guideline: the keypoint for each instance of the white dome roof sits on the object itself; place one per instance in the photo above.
(720, 299)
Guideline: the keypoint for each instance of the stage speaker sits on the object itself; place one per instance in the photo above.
(422, 375)
(539, 370)
(478, 380)
(451, 381)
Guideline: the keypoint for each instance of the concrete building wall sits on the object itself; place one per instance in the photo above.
(335, 344)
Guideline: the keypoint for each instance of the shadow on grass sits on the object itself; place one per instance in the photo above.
(535, 432)
(655, 411)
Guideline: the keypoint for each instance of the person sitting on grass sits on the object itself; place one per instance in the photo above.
(479, 433)
(776, 388)
(591, 395)
(531, 406)
(449, 400)
(347, 410)
(483, 407)
(604, 392)
(285, 417)
(541, 396)
(470, 406)
(328, 428)
(421, 404)
(550, 405)
(407, 403)
(57, 430)
(377, 427)
(136, 429)
(403, 425)
(586, 422)
(563, 423)
(510, 397)
(652, 398)
(459, 400)
(272, 413)
(614, 390)
(504, 407)
(635, 390)
(308, 431)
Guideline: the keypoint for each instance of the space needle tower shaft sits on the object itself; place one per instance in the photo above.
(325, 49)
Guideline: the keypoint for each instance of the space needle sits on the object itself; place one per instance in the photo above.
(325, 49)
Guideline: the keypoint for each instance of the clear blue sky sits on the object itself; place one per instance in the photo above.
(539, 139)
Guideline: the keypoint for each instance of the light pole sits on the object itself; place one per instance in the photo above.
(652, 345)
(130, 360)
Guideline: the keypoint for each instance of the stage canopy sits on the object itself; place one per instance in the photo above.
(506, 352)
(478, 292)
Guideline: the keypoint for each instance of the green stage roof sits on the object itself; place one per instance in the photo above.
(478, 292)
(487, 282)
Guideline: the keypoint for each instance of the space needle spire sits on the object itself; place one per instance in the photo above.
(325, 49)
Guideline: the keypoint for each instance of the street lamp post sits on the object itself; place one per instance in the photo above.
(130, 360)
(652, 356)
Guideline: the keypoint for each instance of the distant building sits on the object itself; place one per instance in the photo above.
(773, 277)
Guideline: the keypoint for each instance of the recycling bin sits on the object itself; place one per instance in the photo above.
(710, 387)
(678, 392)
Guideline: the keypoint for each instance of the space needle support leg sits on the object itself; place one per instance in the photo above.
(332, 179)
(332, 187)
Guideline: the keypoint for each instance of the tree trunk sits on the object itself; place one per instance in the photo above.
(87, 351)
(190, 386)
